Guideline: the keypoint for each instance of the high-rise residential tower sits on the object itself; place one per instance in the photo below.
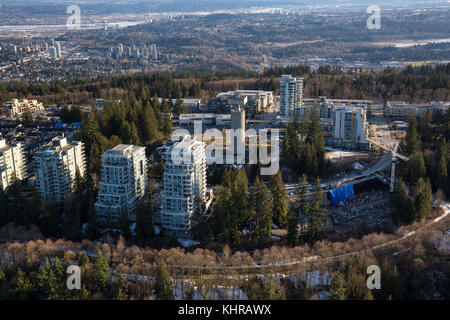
(350, 124)
(184, 183)
(12, 163)
(57, 164)
(124, 180)
(291, 95)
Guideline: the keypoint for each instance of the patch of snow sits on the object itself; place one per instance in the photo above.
(358, 166)
(185, 243)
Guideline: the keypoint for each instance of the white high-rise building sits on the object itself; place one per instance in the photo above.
(57, 164)
(153, 51)
(291, 95)
(124, 180)
(12, 163)
(184, 182)
(53, 52)
(350, 124)
(58, 49)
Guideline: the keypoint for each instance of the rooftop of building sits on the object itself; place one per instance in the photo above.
(185, 100)
(23, 101)
(289, 77)
(348, 101)
(244, 93)
(3, 145)
(197, 115)
(183, 142)
(403, 104)
(58, 144)
(352, 109)
(124, 150)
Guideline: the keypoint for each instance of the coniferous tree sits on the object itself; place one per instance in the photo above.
(402, 203)
(84, 260)
(338, 289)
(163, 285)
(72, 212)
(392, 284)
(201, 229)
(303, 146)
(27, 116)
(92, 228)
(60, 289)
(316, 213)
(231, 212)
(226, 224)
(423, 199)
(280, 199)
(47, 282)
(442, 173)
(291, 145)
(101, 272)
(270, 291)
(317, 144)
(166, 125)
(239, 192)
(51, 219)
(262, 207)
(357, 287)
(122, 289)
(424, 127)
(16, 203)
(144, 223)
(412, 136)
(32, 209)
(416, 168)
(304, 125)
(24, 288)
(87, 273)
(149, 124)
(301, 206)
(124, 224)
(292, 235)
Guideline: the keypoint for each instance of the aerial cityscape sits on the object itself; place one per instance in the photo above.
(224, 150)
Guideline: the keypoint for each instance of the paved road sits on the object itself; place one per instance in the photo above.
(310, 259)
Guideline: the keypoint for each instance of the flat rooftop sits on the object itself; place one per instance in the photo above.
(123, 149)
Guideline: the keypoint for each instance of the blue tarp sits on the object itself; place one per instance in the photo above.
(60, 124)
(342, 194)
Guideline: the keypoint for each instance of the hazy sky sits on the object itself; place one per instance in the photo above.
(143, 6)
(221, 2)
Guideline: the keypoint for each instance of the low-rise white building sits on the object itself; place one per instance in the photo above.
(16, 107)
(57, 164)
(12, 163)
(254, 101)
(401, 110)
(123, 184)
(188, 119)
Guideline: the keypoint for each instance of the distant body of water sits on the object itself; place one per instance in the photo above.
(84, 26)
